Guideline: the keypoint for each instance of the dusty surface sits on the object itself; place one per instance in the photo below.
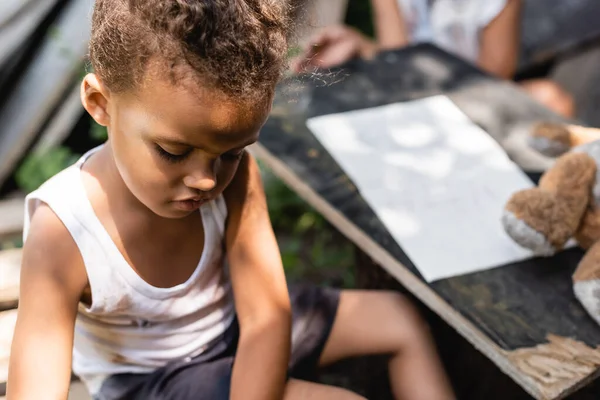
(556, 365)
(76, 392)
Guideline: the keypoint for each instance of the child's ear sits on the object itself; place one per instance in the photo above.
(94, 97)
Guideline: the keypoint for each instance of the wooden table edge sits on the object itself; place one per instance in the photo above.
(505, 360)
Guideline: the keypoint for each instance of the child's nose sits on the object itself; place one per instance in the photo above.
(203, 179)
(205, 184)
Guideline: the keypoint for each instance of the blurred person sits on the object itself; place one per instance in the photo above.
(483, 32)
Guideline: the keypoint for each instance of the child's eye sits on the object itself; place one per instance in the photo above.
(170, 157)
(232, 156)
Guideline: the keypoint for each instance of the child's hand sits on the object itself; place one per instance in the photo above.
(332, 46)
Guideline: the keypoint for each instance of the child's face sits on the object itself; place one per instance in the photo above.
(175, 148)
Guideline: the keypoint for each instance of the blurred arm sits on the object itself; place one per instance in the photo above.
(390, 26)
(500, 40)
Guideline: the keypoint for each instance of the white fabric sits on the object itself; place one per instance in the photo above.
(131, 325)
(454, 25)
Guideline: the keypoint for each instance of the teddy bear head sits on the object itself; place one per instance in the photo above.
(565, 204)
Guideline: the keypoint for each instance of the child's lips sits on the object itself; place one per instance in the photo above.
(190, 204)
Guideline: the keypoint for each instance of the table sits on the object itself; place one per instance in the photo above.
(524, 317)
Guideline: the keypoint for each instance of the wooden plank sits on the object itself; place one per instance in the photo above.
(18, 21)
(60, 58)
(578, 362)
(11, 216)
(578, 367)
(7, 328)
(10, 269)
(9, 9)
(501, 310)
(78, 391)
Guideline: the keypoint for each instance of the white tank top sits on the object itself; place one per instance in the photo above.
(454, 25)
(131, 325)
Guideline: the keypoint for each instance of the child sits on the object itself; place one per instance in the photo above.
(150, 266)
(483, 32)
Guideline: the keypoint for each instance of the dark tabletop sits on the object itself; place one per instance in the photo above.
(517, 305)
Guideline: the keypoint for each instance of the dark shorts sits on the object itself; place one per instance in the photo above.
(208, 375)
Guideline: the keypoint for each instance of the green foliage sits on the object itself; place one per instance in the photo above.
(39, 167)
(288, 211)
(15, 242)
(36, 168)
(359, 15)
(54, 32)
(98, 132)
(311, 249)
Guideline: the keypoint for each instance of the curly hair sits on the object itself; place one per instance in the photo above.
(235, 46)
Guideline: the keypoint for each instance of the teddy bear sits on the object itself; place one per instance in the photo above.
(565, 205)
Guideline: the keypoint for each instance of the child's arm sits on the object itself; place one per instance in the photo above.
(52, 280)
(260, 290)
(337, 44)
(390, 27)
(500, 42)
(333, 46)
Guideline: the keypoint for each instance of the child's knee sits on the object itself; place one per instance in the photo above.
(408, 317)
(559, 100)
(552, 95)
(301, 390)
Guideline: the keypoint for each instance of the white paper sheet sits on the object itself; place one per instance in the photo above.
(437, 181)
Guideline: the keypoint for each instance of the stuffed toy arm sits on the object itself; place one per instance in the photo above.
(554, 139)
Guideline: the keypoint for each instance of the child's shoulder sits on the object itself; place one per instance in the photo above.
(43, 225)
(49, 247)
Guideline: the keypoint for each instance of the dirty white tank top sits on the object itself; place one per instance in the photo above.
(132, 326)
(454, 25)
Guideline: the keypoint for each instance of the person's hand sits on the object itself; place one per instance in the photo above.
(332, 46)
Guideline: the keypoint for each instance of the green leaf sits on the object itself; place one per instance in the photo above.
(306, 222)
(290, 261)
(54, 32)
(37, 168)
(98, 132)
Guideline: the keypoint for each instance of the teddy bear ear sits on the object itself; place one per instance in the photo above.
(586, 282)
(550, 139)
(525, 236)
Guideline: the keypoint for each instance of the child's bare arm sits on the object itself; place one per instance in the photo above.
(390, 27)
(500, 42)
(52, 280)
(260, 290)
